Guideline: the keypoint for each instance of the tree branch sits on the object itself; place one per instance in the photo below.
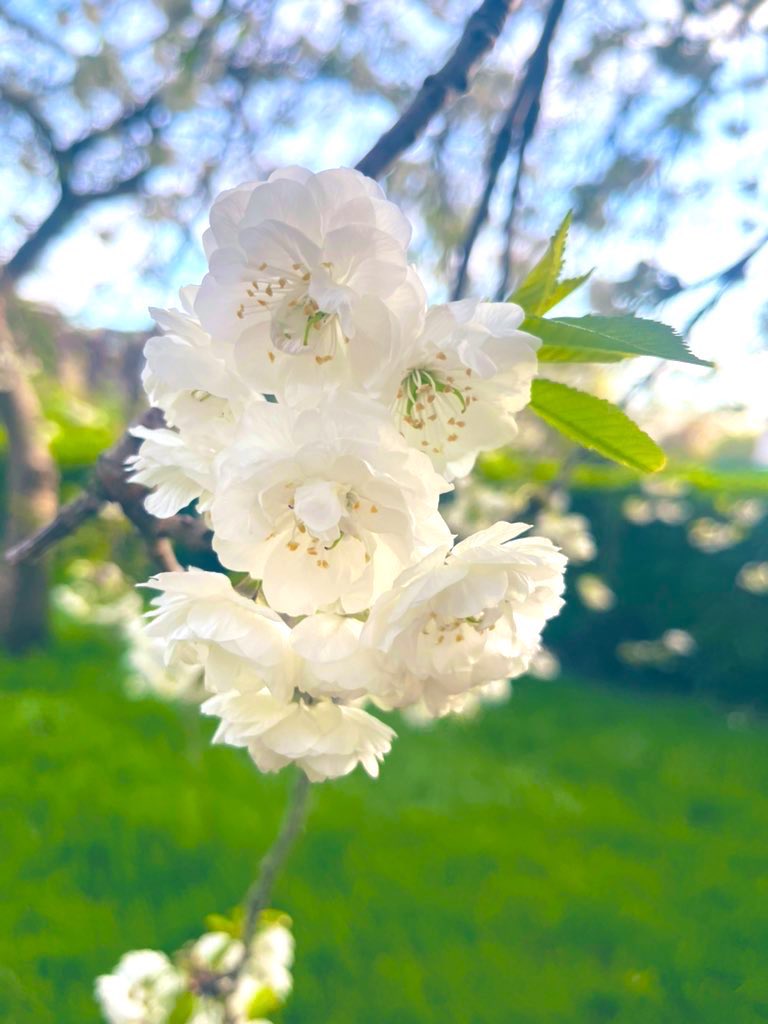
(509, 222)
(70, 202)
(260, 893)
(109, 479)
(479, 36)
(66, 209)
(519, 122)
(109, 483)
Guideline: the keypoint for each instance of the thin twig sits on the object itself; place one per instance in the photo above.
(725, 279)
(514, 198)
(260, 893)
(520, 121)
(478, 38)
(71, 202)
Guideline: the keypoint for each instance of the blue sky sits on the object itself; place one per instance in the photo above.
(90, 273)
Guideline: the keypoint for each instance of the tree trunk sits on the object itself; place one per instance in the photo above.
(31, 500)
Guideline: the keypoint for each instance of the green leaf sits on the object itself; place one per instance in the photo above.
(232, 925)
(270, 916)
(597, 424)
(564, 288)
(564, 354)
(607, 338)
(264, 1002)
(183, 1008)
(535, 292)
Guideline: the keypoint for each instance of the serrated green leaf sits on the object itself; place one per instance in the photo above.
(536, 290)
(594, 423)
(564, 288)
(562, 354)
(613, 336)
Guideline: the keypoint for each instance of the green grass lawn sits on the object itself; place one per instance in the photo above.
(577, 856)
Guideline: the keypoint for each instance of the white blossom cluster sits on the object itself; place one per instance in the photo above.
(147, 987)
(316, 411)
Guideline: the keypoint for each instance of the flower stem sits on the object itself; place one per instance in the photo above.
(259, 894)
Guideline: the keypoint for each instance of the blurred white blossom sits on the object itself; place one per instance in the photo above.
(569, 531)
(679, 641)
(475, 505)
(545, 664)
(754, 577)
(639, 511)
(711, 535)
(143, 989)
(595, 592)
(661, 653)
(146, 987)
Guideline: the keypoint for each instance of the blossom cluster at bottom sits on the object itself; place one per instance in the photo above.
(453, 627)
(204, 983)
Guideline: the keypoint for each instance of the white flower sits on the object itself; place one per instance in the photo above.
(470, 616)
(191, 378)
(325, 739)
(334, 661)
(310, 266)
(462, 705)
(204, 621)
(178, 470)
(214, 952)
(323, 505)
(148, 672)
(272, 957)
(467, 375)
(141, 990)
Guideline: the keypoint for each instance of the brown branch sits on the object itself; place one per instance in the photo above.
(520, 121)
(509, 222)
(68, 206)
(70, 518)
(109, 483)
(479, 36)
(71, 202)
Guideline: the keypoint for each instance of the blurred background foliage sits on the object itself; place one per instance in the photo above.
(610, 846)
